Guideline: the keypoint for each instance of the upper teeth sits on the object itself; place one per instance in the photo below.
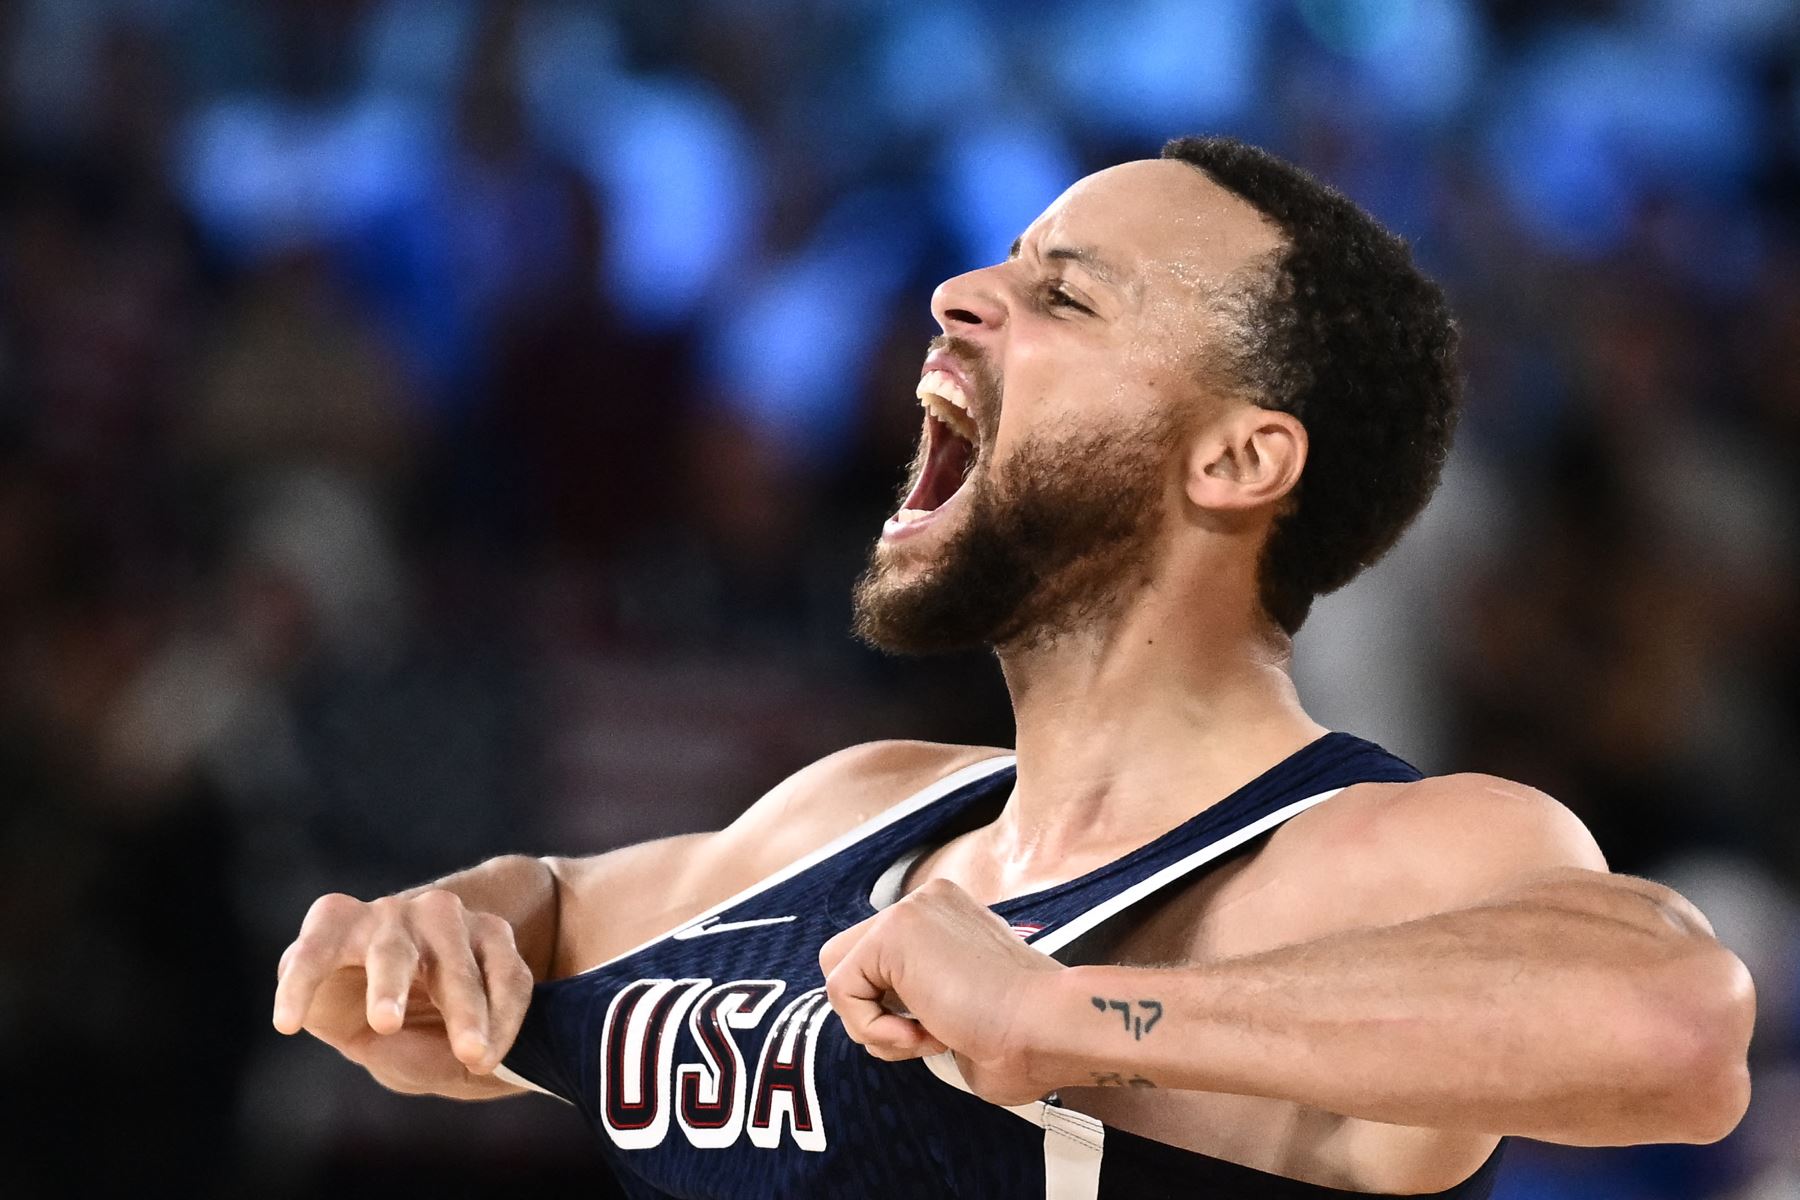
(943, 397)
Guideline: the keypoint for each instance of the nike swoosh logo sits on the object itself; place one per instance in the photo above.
(714, 925)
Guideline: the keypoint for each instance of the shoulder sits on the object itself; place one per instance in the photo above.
(839, 792)
(1380, 854)
(1456, 820)
(672, 879)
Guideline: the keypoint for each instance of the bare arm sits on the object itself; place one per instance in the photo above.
(427, 988)
(1585, 1008)
(1478, 970)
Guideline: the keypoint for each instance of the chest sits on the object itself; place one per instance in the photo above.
(1271, 894)
(1260, 897)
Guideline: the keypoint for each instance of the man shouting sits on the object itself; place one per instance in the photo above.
(1182, 940)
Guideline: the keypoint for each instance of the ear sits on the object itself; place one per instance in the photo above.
(1249, 458)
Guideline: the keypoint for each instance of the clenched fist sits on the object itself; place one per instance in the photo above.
(960, 979)
(423, 993)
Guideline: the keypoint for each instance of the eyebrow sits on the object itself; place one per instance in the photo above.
(1096, 265)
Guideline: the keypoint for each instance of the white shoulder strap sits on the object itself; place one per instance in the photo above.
(1074, 1142)
(1073, 928)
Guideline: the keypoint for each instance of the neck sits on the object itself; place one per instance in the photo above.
(1128, 728)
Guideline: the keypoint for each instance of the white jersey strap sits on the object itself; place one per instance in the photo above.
(1073, 928)
(1074, 1143)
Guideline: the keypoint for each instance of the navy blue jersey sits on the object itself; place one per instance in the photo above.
(711, 1065)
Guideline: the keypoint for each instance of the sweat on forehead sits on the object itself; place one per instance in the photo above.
(1154, 216)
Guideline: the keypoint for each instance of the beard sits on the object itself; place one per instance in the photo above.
(1046, 547)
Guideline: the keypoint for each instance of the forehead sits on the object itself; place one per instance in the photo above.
(1157, 217)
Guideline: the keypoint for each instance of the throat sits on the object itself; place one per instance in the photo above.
(977, 862)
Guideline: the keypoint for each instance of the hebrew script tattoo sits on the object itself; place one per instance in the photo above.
(1138, 1021)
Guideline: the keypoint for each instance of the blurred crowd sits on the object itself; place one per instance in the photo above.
(433, 428)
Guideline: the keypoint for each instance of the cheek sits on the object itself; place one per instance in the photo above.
(1045, 391)
(1060, 388)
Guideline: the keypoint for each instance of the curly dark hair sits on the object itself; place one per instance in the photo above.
(1344, 332)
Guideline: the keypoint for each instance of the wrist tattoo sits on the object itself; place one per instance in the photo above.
(1139, 1020)
(1114, 1079)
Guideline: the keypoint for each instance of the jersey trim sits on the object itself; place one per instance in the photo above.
(886, 892)
(1073, 928)
(918, 800)
(1074, 1143)
(506, 1074)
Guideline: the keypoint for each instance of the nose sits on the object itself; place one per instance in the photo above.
(968, 302)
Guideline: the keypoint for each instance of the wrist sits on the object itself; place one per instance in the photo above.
(1105, 1026)
(1062, 1049)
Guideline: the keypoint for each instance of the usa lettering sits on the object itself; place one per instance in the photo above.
(722, 1097)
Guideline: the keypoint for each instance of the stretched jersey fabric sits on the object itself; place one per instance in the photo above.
(710, 1063)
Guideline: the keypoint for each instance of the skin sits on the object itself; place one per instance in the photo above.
(1368, 1000)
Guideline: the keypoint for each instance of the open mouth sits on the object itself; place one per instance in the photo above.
(951, 440)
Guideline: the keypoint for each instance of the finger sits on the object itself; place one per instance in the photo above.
(391, 963)
(861, 1000)
(894, 1038)
(329, 927)
(304, 966)
(508, 982)
(918, 1041)
(833, 951)
(460, 992)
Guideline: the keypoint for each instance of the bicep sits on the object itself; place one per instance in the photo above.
(1469, 841)
(1450, 842)
(1626, 899)
(610, 903)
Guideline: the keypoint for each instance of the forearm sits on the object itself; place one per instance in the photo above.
(521, 891)
(1574, 1026)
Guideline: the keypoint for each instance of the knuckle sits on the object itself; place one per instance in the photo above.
(904, 915)
(437, 904)
(488, 927)
(334, 908)
(387, 911)
(309, 949)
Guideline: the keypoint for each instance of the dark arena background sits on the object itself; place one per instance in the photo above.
(432, 428)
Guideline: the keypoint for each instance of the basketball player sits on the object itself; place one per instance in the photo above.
(1182, 940)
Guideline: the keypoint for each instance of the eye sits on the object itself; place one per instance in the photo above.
(1056, 296)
